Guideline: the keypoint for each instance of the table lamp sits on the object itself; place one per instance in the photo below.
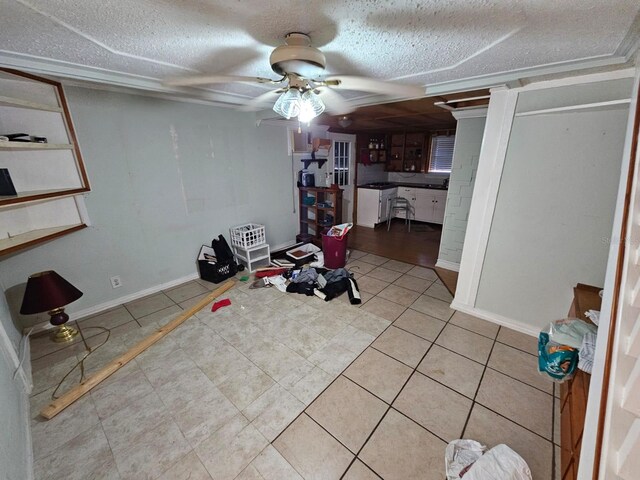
(49, 292)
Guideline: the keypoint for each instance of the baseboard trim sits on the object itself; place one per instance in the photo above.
(495, 318)
(13, 358)
(80, 314)
(455, 267)
(86, 312)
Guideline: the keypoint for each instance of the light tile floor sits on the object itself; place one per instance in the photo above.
(283, 386)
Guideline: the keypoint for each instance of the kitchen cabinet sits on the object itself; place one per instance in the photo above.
(373, 205)
(410, 194)
(372, 147)
(414, 148)
(429, 205)
(48, 178)
(396, 153)
(407, 153)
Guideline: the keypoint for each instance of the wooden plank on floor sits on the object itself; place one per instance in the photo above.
(78, 391)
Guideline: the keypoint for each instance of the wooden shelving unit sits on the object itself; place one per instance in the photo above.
(49, 178)
(316, 220)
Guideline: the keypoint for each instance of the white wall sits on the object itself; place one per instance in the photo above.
(166, 177)
(15, 440)
(466, 153)
(553, 214)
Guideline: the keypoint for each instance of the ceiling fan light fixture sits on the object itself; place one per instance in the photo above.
(288, 104)
(344, 121)
(310, 107)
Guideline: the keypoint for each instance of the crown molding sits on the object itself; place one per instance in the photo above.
(82, 75)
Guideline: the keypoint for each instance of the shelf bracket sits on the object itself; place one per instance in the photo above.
(313, 159)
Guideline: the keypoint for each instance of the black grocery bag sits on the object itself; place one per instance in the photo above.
(222, 249)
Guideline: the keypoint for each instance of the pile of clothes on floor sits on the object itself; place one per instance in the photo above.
(321, 282)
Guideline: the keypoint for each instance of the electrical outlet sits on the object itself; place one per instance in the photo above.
(116, 281)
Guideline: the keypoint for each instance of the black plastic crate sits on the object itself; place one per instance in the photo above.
(215, 272)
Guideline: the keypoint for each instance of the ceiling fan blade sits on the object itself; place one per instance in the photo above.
(335, 103)
(365, 84)
(212, 79)
(259, 102)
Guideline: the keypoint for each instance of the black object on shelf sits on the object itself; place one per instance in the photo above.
(6, 184)
(25, 138)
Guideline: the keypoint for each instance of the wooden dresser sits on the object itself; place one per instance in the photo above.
(574, 393)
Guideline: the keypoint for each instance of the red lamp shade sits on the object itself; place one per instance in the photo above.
(47, 291)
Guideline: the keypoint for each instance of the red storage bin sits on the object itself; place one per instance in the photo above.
(335, 251)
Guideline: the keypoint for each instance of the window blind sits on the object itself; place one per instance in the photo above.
(441, 153)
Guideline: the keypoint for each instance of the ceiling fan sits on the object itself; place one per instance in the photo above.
(303, 93)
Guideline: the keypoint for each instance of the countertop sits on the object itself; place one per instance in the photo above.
(387, 185)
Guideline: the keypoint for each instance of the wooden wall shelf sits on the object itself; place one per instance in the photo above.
(49, 178)
(308, 161)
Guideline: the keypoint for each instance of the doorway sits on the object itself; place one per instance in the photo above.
(342, 169)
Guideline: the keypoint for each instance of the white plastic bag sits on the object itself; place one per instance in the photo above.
(459, 455)
(499, 463)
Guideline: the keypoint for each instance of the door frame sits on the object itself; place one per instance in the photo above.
(351, 138)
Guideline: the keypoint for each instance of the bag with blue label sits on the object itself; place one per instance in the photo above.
(558, 348)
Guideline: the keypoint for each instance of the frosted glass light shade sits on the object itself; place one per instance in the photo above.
(311, 107)
(288, 104)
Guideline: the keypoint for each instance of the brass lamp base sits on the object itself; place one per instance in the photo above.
(63, 334)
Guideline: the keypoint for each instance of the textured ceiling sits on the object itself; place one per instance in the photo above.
(431, 43)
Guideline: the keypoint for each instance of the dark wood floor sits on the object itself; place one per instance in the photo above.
(419, 247)
(449, 278)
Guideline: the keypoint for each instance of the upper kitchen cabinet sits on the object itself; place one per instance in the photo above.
(372, 147)
(42, 175)
(396, 156)
(409, 152)
(414, 148)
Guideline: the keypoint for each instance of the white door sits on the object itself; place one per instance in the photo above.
(343, 170)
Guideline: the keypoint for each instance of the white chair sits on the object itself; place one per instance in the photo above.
(396, 205)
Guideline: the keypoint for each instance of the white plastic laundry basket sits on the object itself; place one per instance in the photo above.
(248, 236)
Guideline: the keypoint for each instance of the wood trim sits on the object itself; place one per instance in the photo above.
(615, 301)
(495, 141)
(46, 238)
(74, 139)
(42, 196)
(31, 76)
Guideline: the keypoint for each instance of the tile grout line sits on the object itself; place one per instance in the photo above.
(473, 404)
(332, 382)
(390, 404)
(370, 345)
